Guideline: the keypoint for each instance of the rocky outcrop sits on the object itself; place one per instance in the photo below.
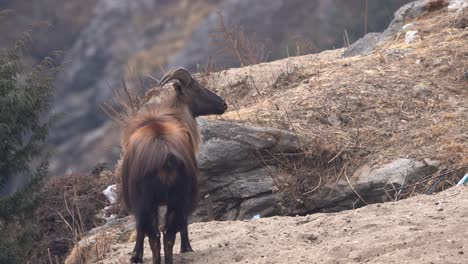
(234, 182)
(368, 185)
(404, 15)
(237, 184)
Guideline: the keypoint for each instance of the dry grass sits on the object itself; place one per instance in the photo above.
(91, 249)
(404, 100)
(68, 212)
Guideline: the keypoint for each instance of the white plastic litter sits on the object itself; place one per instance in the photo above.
(464, 180)
(110, 193)
(411, 36)
(255, 217)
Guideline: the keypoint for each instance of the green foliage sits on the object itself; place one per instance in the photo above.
(25, 98)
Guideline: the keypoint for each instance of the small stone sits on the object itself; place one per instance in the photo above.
(444, 68)
(465, 75)
(422, 90)
(238, 258)
(398, 53)
(310, 237)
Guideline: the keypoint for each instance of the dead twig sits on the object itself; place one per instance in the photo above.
(354, 190)
(315, 188)
(338, 178)
(294, 130)
(265, 165)
(338, 154)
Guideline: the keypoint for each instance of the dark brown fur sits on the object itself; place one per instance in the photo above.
(159, 165)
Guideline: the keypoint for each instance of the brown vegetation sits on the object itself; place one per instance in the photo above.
(68, 212)
(403, 100)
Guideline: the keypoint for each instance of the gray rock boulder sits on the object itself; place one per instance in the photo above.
(364, 46)
(235, 183)
(368, 186)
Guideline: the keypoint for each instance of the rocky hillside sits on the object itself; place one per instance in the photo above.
(380, 121)
(404, 99)
(129, 39)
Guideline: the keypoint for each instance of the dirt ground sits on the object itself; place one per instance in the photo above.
(422, 229)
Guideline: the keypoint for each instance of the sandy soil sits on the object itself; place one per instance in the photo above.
(422, 229)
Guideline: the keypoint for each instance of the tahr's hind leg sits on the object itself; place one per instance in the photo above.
(169, 235)
(154, 239)
(137, 255)
(184, 238)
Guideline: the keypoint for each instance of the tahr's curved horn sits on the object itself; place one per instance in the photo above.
(180, 74)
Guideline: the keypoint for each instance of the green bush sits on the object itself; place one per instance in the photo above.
(26, 94)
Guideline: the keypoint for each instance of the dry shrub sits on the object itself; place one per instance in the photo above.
(438, 181)
(234, 41)
(209, 74)
(301, 174)
(69, 210)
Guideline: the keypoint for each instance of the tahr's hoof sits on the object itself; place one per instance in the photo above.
(185, 250)
(136, 260)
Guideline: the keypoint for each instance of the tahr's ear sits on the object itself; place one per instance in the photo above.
(179, 87)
